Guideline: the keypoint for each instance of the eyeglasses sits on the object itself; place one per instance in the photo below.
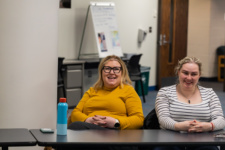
(108, 69)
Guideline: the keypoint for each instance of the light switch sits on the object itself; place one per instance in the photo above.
(150, 29)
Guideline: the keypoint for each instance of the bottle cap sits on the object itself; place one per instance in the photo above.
(62, 100)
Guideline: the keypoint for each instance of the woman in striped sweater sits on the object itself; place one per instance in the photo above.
(188, 107)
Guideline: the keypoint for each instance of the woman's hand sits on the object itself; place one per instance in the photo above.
(193, 126)
(97, 119)
(200, 127)
(109, 122)
(103, 121)
(184, 126)
(90, 120)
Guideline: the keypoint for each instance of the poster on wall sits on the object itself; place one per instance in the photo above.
(106, 29)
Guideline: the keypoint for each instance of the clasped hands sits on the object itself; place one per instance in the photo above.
(193, 126)
(103, 121)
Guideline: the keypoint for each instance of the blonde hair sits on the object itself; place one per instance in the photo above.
(125, 79)
(188, 60)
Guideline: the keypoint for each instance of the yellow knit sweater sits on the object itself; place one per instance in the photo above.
(120, 103)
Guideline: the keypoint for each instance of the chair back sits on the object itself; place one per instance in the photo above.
(60, 64)
(151, 121)
(134, 70)
(133, 65)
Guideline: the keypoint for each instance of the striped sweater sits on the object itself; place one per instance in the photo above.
(169, 110)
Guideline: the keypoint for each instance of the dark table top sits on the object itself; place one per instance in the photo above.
(16, 137)
(126, 137)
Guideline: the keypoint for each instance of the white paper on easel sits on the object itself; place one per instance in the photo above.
(106, 29)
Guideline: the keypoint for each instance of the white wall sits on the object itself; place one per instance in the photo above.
(206, 32)
(131, 15)
(217, 33)
(28, 62)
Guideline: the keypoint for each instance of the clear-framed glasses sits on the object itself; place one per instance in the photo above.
(108, 69)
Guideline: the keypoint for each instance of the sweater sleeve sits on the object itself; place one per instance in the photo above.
(77, 114)
(162, 110)
(135, 117)
(216, 111)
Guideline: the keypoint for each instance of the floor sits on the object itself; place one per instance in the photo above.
(217, 87)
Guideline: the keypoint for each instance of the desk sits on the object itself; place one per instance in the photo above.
(126, 138)
(16, 137)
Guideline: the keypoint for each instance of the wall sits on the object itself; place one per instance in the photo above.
(131, 15)
(28, 62)
(206, 31)
(217, 33)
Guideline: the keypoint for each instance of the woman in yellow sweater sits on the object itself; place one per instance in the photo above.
(112, 103)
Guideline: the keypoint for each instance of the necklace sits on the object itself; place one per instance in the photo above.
(189, 99)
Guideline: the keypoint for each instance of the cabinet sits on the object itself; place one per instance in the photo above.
(73, 80)
(90, 77)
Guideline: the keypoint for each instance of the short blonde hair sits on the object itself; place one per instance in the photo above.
(125, 79)
(188, 60)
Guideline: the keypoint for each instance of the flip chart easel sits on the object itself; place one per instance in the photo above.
(105, 28)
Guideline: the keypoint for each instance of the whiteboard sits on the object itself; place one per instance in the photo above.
(106, 29)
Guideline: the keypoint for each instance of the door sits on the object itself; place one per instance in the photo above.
(172, 38)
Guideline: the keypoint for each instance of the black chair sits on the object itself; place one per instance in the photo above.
(60, 86)
(134, 69)
(151, 120)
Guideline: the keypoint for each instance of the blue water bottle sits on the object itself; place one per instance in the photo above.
(62, 117)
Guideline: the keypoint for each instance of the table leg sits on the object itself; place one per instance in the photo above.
(59, 148)
(4, 147)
